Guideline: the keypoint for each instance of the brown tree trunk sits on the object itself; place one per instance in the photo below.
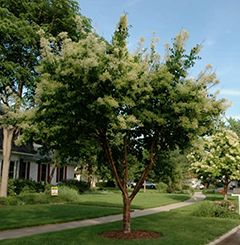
(126, 214)
(8, 133)
(225, 190)
(122, 181)
(89, 175)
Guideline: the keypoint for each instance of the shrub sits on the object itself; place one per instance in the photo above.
(162, 187)
(10, 200)
(80, 186)
(16, 186)
(34, 198)
(68, 194)
(219, 209)
(107, 184)
(209, 191)
(3, 201)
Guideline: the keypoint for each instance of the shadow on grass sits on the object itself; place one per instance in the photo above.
(218, 197)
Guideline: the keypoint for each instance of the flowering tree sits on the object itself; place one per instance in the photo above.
(218, 156)
(20, 22)
(132, 105)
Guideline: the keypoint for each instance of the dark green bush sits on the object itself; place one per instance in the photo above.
(10, 200)
(3, 201)
(16, 186)
(209, 191)
(162, 187)
(37, 198)
(80, 186)
(219, 209)
(108, 184)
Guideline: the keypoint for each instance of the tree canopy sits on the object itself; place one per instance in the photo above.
(20, 22)
(234, 125)
(218, 156)
(132, 105)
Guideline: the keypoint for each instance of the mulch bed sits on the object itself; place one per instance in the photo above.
(120, 235)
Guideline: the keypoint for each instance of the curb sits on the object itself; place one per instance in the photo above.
(226, 235)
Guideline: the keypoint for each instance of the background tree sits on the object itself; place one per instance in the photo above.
(133, 105)
(20, 53)
(234, 125)
(218, 156)
(171, 169)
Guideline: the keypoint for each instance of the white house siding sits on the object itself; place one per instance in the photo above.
(70, 172)
(33, 171)
(34, 167)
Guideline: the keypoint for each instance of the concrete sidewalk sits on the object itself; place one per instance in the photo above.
(28, 231)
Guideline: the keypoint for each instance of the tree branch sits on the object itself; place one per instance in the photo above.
(152, 160)
(108, 153)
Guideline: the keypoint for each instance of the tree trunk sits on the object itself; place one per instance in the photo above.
(126, 214)
(50, 177)
(122, 182)
(225, 189)
(8, 133)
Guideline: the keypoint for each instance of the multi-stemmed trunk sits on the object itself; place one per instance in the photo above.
(121, 177)
(8, 133)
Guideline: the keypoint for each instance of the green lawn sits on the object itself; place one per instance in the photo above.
(218, 197)
(90, 206)
(30, 215)
(177, 227)
(148, 199)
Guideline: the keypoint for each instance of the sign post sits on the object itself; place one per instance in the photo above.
(237, 195)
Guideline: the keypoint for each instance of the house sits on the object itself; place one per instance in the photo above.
(26, 164)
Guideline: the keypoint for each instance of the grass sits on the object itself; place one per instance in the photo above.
(218, 197)
(177, 227)
(88, 206)
(30, 215)
(143, 200)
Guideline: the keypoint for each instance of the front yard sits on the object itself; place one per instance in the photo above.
(177, 227)
(87, 206)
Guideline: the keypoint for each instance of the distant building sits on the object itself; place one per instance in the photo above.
(26, 164)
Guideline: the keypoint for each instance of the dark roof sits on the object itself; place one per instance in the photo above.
(27, 148)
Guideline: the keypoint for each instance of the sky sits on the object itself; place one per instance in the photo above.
(215, 24)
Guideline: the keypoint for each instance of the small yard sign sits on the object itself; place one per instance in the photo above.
(237, 195)
(54, 191)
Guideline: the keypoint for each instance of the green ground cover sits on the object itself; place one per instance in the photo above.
(177, 227)
(218, 197)
(88, 206)
(30, 215)
(148, 199)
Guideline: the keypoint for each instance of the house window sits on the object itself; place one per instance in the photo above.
(42, 172)
(61, 174)
(28, 171)
(22, 169)
(11, 170)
